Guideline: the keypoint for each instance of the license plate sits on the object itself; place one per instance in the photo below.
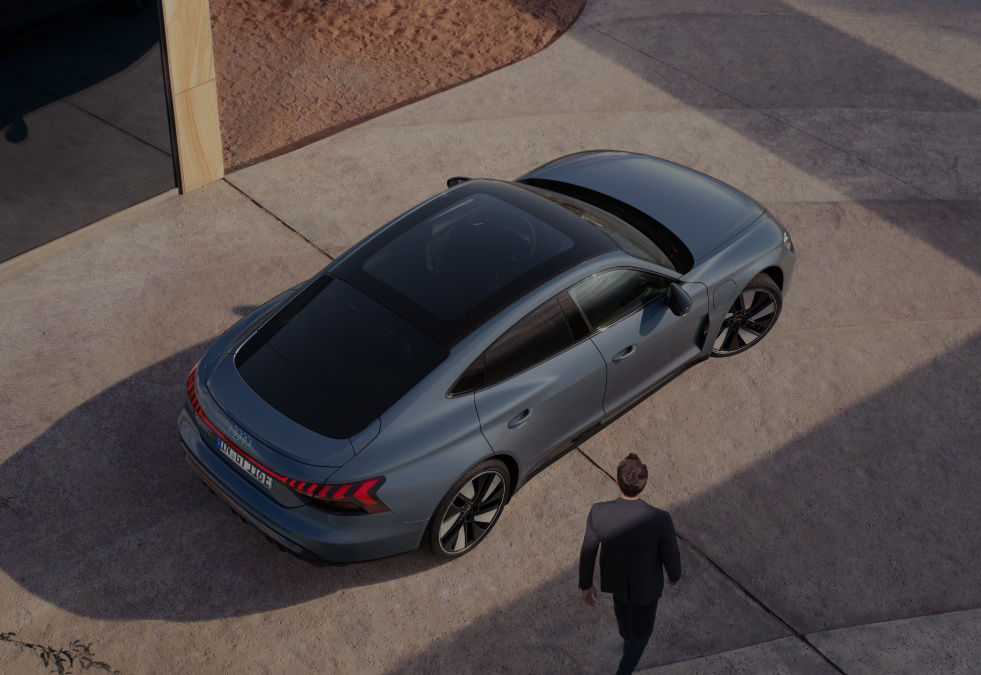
(245, 465)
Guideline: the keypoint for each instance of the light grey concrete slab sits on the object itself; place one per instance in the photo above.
(183, 565)
(606, 12)
(938, 152)
(882, 262)
(792, 60)
(829, 471)
(787, 655)
(584, 71)
(942, 643)
(745, 148)
(80, 314)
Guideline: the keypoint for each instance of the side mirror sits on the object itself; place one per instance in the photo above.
(679, 301)
(456, 180)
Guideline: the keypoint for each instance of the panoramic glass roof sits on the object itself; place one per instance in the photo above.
(457, 260)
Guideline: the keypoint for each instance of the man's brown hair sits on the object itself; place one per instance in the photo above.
(631, 475)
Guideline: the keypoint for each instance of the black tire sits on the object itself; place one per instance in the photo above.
(489, 483)
(752, 315)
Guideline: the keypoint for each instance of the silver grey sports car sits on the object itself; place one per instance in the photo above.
(403, 394)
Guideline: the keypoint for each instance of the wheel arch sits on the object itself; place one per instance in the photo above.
(775, 273)
(512, 465)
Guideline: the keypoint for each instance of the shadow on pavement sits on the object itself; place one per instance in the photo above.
(84, 131)
(870, 516)
(102, 516)
(68, 54)
(806, 73)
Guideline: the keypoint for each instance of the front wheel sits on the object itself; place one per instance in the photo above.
(469, 510)
(751, 317)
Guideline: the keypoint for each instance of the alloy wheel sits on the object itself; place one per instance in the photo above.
(472, 512)
(751, 317)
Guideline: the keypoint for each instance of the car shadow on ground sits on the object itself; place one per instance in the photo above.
(870, 516)
(101, 515)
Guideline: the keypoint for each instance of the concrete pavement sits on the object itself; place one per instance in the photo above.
(824, 483)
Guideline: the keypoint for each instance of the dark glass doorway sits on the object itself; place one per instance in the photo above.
(84, 131)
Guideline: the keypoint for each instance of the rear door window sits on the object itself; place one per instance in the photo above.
(535, 338)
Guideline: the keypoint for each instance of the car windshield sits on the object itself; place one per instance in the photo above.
(635, 232)
(626, 237)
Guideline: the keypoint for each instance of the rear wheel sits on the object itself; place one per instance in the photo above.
(469, 510)
(751, 316)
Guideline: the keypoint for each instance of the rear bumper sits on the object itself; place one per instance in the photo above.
(305, 531)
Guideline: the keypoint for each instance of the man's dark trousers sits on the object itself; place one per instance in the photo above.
(636, 544)
(636, 623)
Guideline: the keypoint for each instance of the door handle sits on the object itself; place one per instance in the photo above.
(520, 418)
(624, 353)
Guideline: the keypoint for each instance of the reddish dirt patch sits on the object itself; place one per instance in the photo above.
(292, 71)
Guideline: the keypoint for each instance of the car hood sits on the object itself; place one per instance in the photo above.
(702, 211)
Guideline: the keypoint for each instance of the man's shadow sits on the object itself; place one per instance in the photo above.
(102, 516)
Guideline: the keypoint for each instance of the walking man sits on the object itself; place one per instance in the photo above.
(635, 540)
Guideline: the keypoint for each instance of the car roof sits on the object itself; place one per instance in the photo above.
(460, 258)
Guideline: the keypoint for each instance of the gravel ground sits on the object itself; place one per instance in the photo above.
(293, 71)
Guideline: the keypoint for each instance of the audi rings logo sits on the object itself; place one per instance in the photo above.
(239, 436)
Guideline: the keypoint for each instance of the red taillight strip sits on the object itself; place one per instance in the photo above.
(362, 493)
(362, 490)
(191, 394)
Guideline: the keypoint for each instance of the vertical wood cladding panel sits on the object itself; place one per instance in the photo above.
(198, 136)
(191, 66)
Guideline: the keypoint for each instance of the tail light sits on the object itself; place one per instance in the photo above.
(352, 497)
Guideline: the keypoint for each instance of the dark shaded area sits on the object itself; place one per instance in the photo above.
(867, 516)
(105, 518)
(83, 117)
(848, 518)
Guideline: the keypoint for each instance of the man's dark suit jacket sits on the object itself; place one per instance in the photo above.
(638, 539)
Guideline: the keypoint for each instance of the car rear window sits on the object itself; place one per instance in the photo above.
(333, 359)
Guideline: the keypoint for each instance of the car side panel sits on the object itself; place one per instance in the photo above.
(423, 447)
(558, 397)
(729, 269)
(661, 342)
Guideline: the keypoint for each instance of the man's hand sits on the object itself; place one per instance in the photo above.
(589, 596)
(672, 583)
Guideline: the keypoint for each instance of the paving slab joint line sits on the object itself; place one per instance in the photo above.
(276, 218)
(800, 636)
(749, 106)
